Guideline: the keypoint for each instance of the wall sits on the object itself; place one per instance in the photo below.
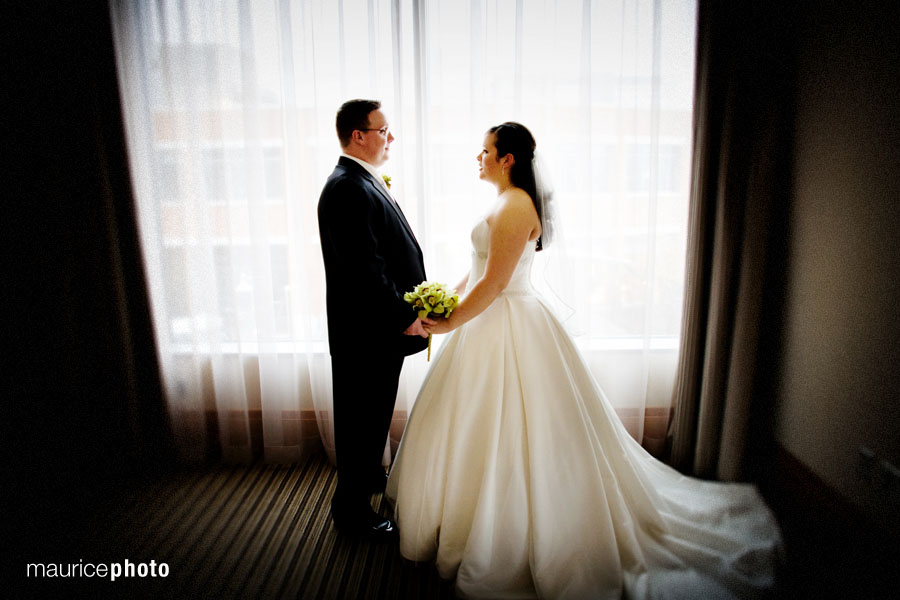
(840, 374)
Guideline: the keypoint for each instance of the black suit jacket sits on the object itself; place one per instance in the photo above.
(371, 259)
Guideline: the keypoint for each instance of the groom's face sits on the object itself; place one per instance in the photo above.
(376, 140)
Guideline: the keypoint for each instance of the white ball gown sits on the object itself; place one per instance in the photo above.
(516, 476)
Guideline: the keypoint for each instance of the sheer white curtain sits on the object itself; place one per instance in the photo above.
(230, 110)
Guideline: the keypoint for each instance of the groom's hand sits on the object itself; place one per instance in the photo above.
(417, 328)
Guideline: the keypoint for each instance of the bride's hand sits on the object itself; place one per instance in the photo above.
(419, 327)
(440, 326)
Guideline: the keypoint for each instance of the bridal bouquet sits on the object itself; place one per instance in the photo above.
(432, 299)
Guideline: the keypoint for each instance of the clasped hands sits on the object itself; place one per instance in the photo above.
(418, 328)
(426, 327)
(440, 325)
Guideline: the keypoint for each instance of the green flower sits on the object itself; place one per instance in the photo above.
(387, 180)
(430, 298)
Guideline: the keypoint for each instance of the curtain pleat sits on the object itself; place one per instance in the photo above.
(83, 406)
(738, 172)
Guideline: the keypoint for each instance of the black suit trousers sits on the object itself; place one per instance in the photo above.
(365, 389)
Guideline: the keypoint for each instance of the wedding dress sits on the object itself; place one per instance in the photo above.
(516, 476)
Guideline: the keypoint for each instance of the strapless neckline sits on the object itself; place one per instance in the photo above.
(520, 281)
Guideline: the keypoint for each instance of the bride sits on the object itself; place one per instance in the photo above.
(515, 474)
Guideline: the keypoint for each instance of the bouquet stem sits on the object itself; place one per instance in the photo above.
(429, 347)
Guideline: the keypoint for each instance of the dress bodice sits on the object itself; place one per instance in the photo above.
(520, 282)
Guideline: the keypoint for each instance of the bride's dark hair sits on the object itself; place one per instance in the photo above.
(514, 138)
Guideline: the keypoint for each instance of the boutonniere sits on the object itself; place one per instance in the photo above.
(387, 180)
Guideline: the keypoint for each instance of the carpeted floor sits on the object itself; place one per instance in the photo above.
(261, 531)
(264, 531)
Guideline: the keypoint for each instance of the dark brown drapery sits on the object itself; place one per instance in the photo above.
(85, 406)
(741, 147)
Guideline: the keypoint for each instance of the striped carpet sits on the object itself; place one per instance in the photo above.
(260, 531)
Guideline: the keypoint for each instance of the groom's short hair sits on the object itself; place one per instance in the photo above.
(353, 115)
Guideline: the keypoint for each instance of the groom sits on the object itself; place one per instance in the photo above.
(371, 258)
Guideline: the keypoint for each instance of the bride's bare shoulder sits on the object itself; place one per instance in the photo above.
(514, 208)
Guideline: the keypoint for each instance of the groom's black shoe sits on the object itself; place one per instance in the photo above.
(365, 525)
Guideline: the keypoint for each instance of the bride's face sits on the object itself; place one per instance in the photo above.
(489, 168)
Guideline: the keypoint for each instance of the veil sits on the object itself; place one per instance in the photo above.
(553, 271)
(544, 201)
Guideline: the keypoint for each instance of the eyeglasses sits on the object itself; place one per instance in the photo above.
(382, 132)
